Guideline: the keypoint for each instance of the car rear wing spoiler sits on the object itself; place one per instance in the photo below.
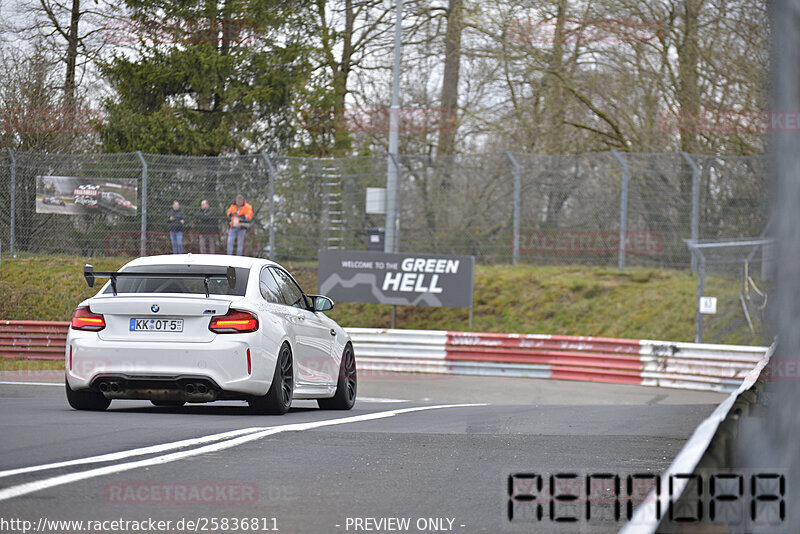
(90, 274)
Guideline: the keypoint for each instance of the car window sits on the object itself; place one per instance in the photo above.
(216, 286)
(292, 295)
(269, 287)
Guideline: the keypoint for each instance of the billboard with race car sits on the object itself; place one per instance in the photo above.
(69, 195)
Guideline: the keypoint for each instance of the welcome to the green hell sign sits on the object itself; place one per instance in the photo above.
(400, 279)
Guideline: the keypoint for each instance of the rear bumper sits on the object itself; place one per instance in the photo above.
(185, 388)
(162, 370)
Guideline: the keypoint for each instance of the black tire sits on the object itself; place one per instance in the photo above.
(167, 403)
(86, 399)
(279, 397)
(346, 386)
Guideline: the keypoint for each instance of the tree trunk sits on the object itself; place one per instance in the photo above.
(555, 110)
(554, 105)
(72, 56)
(341, 133)
(452, 64)
(688, 91)
(688, 102)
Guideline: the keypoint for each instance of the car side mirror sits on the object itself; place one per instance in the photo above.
(322, 303)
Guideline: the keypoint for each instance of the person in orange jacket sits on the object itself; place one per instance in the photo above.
(240, 215)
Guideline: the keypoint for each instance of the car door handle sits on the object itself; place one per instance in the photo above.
(301, 318)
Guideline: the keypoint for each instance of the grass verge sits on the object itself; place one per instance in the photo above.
(570, 300)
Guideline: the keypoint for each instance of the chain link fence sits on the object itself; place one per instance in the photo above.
(6, 207)
(735, 278)
(189, 181)
(457, 205)
(609, 208)
(320, 203)
(570, 208)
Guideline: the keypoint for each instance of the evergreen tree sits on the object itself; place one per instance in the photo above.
(207, 77)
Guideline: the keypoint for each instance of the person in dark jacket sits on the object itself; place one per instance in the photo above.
(175, 222)
(206, 228)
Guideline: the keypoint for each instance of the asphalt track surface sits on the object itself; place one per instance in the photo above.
(427, 448)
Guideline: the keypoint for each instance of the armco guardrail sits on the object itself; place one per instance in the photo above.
(40, 340)
(596, 359)
(650, 512)
(624, 361)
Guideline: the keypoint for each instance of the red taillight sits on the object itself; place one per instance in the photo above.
(234, 322)
(249, 367)
(84, 319)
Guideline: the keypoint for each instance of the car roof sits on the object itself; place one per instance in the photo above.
(200, 259)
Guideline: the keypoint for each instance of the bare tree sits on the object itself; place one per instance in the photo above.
(31, 116)
(350, 32)
(620, 73)
(74, 32)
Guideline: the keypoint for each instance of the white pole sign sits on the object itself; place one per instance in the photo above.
(708, 305)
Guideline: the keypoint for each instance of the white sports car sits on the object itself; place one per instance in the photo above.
(201, 328)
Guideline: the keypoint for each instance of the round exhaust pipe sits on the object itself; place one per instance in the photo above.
(104, 387)
(189, 389)
(114, 387)
(202, 389)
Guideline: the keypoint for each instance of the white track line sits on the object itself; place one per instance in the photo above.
(13, 383)
(134, 452)
(31, 487)
(379, 399)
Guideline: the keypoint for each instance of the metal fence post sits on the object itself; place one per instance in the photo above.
(13, 201)
(623, 209)
(516, 208)
(701, 289)
(695, 203)
(143, 236)
(271, 174)
(394, 199)
(391, 243)
(777, 439)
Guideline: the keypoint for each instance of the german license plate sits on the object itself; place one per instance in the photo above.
(156, 325)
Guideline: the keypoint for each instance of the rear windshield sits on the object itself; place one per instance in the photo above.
(216, 286)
